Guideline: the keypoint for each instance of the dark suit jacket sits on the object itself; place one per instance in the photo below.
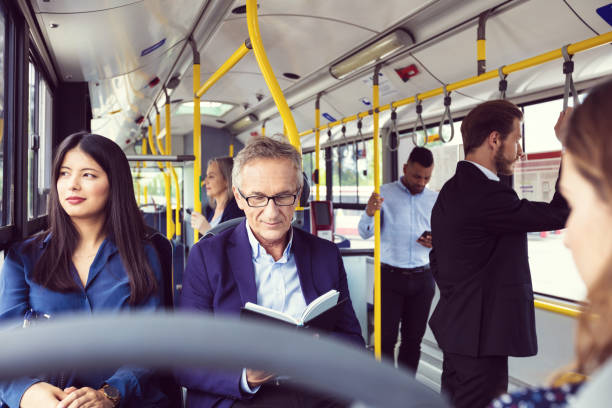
(480, 264)
(220, 279)
(230, 212)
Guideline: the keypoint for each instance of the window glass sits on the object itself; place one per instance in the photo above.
(45, 116)
(446, 155)
(308, 168)
(348, 173)
(365, 170)
(345, 224)
(335, 175)
(4, 213)
(539, 120)
(32, 135)
(40, 104)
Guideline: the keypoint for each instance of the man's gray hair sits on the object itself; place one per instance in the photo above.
(276, 147)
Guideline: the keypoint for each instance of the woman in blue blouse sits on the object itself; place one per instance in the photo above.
(221, 203)
(586, 183)
(92, 259)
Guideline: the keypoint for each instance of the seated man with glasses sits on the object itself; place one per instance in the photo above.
(263, 260)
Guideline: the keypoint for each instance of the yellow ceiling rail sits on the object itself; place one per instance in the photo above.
(268, 74)
(223, 69)
(494, 74)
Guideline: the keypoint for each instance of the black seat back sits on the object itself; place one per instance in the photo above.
(164, 249)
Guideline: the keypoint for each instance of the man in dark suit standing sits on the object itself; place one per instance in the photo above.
(479, 261)
(263, 260)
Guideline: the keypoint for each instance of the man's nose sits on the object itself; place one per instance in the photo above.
(271, 208)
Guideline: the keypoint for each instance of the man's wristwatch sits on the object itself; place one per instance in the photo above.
(112, 394)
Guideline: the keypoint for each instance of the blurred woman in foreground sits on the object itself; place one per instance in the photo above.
(586, 183)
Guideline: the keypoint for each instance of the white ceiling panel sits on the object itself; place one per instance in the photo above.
(81, 6)
(103, 44)
(587, 11)
(369, 15)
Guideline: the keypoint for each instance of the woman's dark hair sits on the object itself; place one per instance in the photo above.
(587, 139)
(490, 116)
(123, 224)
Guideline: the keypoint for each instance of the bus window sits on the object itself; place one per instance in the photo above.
(552, 267)
(39, 142)
(345, 224)
(446, 155)
(4, 214)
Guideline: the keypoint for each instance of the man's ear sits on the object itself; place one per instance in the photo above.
(494, 140)
(238, 198)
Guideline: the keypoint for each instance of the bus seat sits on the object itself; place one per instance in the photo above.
(164, 250)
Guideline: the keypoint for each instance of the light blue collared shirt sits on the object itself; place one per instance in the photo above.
(490, 175)
(278, 284)
(404, 217)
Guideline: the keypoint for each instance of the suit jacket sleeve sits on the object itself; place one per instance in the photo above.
(505, 212)
(197, 295)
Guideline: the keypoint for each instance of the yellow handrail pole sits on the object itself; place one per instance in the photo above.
(137, 193)
(555, 308)
(177, 211)
(317, 143)
(494, 74)
(223, 69)
(168, 194)
(268, 74)
(377, 292)
(167, 186)
(146, 199)
(144, 164)
(197, 143)
(231, 150)
(166, 177)
(263, 129)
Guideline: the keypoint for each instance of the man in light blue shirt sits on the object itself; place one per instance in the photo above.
(407, 285)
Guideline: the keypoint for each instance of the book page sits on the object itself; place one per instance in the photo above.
(271, 313)
(320, 305)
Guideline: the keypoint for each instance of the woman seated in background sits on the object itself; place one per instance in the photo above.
(586, 183)
(221, 203)
(92, 259)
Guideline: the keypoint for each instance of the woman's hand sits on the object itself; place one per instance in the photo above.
(199, 222)
(85, 398)
(42, 395)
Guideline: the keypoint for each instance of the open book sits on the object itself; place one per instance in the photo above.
(321, 312)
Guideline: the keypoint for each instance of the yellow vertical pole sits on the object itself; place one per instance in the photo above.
(197, 150)
(167, 186)
(377, 292)
(263, 129)
(138, 193)
(317, 144)
(231, 150)
(146, 199)
(268, 74)
(177, 211)
(144, 151)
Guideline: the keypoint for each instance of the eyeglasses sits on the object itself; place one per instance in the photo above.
(282, 200)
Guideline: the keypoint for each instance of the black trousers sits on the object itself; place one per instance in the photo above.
(406, 298)
(473, 382)
(273, 396)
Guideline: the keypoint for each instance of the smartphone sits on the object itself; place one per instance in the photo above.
(425, 235)
(188, 210)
